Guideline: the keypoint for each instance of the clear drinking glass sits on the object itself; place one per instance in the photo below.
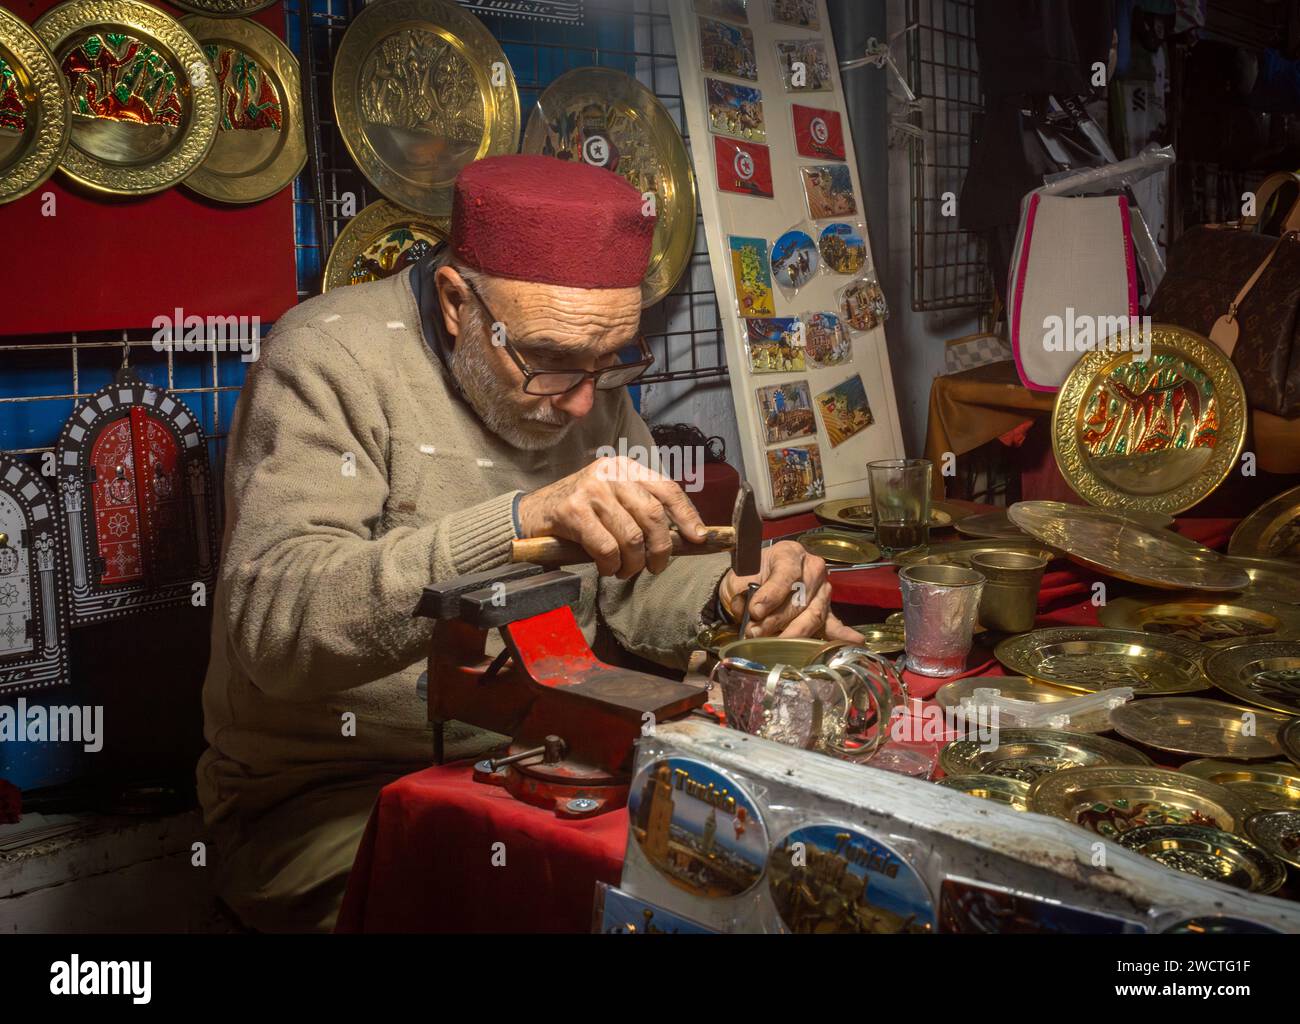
(900, 503)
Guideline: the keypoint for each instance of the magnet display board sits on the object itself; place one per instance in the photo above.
(843, 445)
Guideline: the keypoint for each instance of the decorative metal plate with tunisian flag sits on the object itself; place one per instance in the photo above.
(136, 494)
(33, 583)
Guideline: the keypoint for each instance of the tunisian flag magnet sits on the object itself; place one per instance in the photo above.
(744, 167)
(818, 132)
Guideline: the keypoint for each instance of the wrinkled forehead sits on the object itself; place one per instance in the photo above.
(604, 318)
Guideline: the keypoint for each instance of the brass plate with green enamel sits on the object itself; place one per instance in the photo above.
(421, 89)
(1266, 674)
(1110, 801)
(1197, 727)
(380, 241)
(1273, 785)
(1014, 793)
(1216, 622)
(1154, 435)
(144, 100)
(261, 145)
(840, 547)
(1029, 754)
(1271, 531)
(1088, 659)
(1208, 853)
(35, 123)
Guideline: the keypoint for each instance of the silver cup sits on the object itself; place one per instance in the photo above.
(941, 604)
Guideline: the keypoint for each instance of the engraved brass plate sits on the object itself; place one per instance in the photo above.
(841, 547)
(1110, 801)
(1271, 579)
(1273, 785)
(260, 146)
(1089, 659)
(960, 552)
(225, 8)
(1105, 542)
(1267, 674)
(1208, 853)
(1205, 620)
(1272, 530)
(950, 695)
(1289, 740)
(1278, 832)
(1014, 793)
(1029, 754)
(856, 513)
(421, 88)
(1198, 727)
(35, 123)
(143, 97)
(1155, 435)
(609, 119)
(380, 241)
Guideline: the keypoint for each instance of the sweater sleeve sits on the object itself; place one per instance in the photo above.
(658, 617)
(317, 596)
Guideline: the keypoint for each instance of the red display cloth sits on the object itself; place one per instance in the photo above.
(107, 262)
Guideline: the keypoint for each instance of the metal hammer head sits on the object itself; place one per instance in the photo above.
(747, 555)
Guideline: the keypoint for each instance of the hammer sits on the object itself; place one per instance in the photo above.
(743, 538)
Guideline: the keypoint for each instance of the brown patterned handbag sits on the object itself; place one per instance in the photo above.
(1242, 290)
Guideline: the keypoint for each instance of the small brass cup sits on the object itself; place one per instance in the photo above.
(1009, 603)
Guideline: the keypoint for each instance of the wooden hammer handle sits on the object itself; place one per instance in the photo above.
(554, 551)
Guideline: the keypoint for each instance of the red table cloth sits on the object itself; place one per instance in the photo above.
(426, 861)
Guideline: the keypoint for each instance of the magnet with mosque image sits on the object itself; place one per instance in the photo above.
(833, 879)
(698, 827)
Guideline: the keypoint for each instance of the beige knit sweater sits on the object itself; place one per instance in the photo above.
(354, 477)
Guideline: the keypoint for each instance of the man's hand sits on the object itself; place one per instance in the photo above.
(793, 600)
(618, 510)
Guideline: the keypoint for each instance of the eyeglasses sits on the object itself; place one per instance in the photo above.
(561, 382)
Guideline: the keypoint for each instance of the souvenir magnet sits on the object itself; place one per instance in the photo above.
(752, 275)
(796, 475)
(744, 168)
(862, 303)
(727, 49)
(794, 260)
(775, 344)
(735, 110)
(826, 341)
(843, 247)
(844, 410)
(828, 189)
(803, 63)
(799, 13)
(785, 411)
(818, 132)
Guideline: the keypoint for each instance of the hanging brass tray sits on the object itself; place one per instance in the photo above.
(856, 513)
(1110, 801)
(1155, 435)
(1029, 754)
(1208, 853)
(1289, 740)
(609, 119)
(224, 8)
(1100, 540)
(143, 97)
(1271, 579)
(35, 121)
(1272, 530)
(1278, 832)
(1273, 785)
(261, 144)
(1197, 727)
(421, 88)
(1014, 793)
(1265, 673)
(1088, 659)
(959, 552)
(840, 547)
(1214, 621)
(950, 695)
(380, 241)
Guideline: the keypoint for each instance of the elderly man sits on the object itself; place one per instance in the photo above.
(408, 430)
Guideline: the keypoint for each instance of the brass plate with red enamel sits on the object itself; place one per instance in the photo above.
(34, 118)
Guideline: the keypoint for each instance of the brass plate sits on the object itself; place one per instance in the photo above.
(1099, 539)
(1272, 530)
(714, 638)
(1208, 853)
(1215, 622)
(35, 122)
(1198, 727)
(1289, 740)
(162, 131)
(224, 8)
(1152, 436)
(839, 546)
(1273, 786)
(421, 88)
(380, 241)
(1029, 754)
(856, 513)
(611, 120)
(959, 552)
(1014, 793)
(989, 524)
(1271, 579)
(1088, 659)
(1110, 801)
(1278, 832)
(1267, 674)
(881, 637)
(261, 145)
(950, 695)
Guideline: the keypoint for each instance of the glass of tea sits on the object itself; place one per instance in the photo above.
(900, 503)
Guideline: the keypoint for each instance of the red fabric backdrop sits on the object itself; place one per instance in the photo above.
(105, 262)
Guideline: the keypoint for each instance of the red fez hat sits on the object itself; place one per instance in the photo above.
(539, 218)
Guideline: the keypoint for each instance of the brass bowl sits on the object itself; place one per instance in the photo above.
(1110, 801)
(1278, 832)
(950, 695)
(1267, 674)
(768, 651)
(1197, 727)
(1089, 659)
(840, 547)
(1014, 793)
(1208, 853)
(1029, 754)
(1215, 622)
(1273, 786)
